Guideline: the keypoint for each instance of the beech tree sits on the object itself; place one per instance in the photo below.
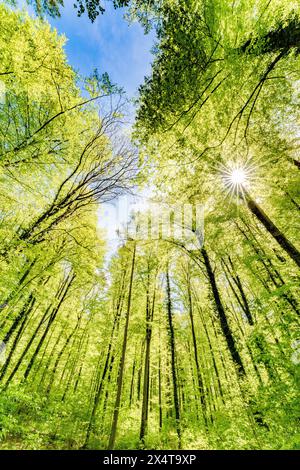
(166, 341)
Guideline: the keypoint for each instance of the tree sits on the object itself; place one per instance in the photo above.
(92, 8)
(168, 341)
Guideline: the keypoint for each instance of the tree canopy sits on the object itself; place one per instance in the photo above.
(186, 336)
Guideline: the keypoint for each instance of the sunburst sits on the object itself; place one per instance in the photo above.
(237, 177)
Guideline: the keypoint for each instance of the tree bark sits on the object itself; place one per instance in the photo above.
(100, 382)
(50, 321)
(149, 320)
(195, 349)
(281, 239)
(222, 315)
(173, 359)
(113, 433)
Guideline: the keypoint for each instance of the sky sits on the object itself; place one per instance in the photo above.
(122, 50)
(117, 47)
(110, 44)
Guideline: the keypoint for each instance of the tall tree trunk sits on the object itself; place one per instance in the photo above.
(139, 373)
(22, 279)
(23, 316)
(109, 376)
(113, 432)
(195, 348)
(33, 336)
(173, 359)
(284, 37)
(149, 320)
(210, 346)
(53, 315)
(59, 355)
(274, 277)
(83, 348)
(100, 382)
(131, 393)
(160, 419)
(222, 315)
(48, 362)
(281, 239)
(242, 300)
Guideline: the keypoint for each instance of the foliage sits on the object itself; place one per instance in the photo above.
(162, 344)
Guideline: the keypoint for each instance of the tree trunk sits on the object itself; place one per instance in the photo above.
(199, 377)
(281, 239)
(236, 279)
(173, 359)
(159, 384)
(50, 321)
(23, 317)
(285, 37)
(149, 320)
(222, 315)
(113, 433)
(99, 383)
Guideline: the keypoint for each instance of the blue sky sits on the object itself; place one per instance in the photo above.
(111, 44)
(123, 51)
(114, 46)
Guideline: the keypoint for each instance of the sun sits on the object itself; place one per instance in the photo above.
(237, 177)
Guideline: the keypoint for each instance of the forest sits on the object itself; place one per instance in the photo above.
(168, 341)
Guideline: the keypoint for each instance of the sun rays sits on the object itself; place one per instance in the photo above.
(237, 178)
